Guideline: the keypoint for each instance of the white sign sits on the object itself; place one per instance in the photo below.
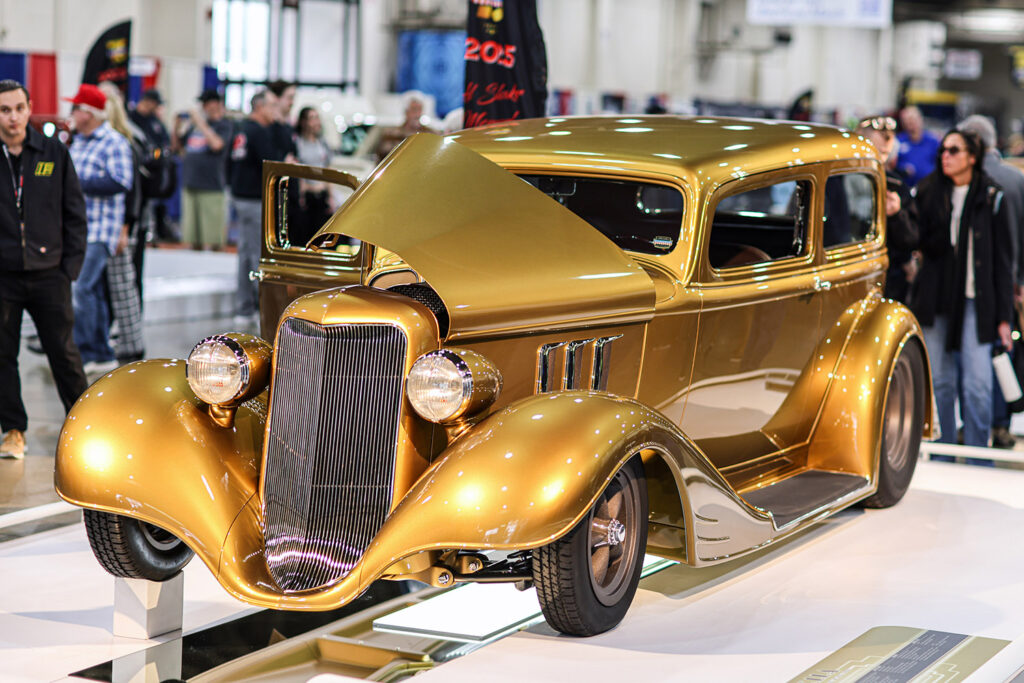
(962, 64)
(859, 13)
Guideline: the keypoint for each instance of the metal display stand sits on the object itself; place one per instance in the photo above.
(152, 665)
(147, 609)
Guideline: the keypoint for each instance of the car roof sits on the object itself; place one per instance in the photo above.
(706, 149)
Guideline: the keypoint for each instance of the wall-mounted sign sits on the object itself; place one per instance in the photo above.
(964, 65)
(861, 13)
(1017, 65)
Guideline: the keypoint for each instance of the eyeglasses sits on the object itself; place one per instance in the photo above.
(878, 123)
(951, 151)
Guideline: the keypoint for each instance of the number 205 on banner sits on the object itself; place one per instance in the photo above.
(490, 52)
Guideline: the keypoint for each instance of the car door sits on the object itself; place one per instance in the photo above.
(287, 269)
(759, 323)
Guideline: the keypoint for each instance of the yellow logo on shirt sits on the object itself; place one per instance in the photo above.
(44, 168)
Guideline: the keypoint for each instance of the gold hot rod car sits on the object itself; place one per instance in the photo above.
(526, 353)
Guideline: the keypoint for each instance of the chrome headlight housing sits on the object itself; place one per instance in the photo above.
(228, 369)
(449, 384)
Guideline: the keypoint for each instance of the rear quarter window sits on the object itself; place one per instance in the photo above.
(850, 214)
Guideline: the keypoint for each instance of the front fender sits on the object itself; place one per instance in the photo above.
(518, 480)
(139, 443)
(526, 475)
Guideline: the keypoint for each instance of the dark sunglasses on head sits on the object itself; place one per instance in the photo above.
(878, 123)
(952, 150)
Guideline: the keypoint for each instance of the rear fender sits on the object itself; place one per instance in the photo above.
(139, 443)
(847, 437)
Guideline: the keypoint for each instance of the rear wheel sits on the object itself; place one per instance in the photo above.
(586, 580)
(902, 425)
(132, 549)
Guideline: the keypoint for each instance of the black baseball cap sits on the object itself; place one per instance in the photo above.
(154, 95)
(210, 95)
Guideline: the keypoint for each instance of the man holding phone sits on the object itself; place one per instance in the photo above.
(901, 214)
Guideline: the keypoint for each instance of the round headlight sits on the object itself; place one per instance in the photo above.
(449, 384)
(228, 369)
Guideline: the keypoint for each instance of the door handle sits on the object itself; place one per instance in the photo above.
(822, 285)
(257, 275)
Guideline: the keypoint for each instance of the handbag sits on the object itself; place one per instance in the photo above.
(1018, 356)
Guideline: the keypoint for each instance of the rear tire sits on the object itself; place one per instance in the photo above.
(586, 579)
(132, 549)
(902, 426)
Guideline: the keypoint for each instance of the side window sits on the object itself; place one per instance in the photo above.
(849, 209)
(767, 223)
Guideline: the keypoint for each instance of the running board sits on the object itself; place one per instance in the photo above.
(804, 494)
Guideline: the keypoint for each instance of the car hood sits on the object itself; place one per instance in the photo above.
(501, 254)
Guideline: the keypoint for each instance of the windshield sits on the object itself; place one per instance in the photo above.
(636, 216)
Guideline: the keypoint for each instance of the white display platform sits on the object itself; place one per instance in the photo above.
(57, 607)
(949, 558)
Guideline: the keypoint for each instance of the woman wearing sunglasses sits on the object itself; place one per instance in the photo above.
(963, 294)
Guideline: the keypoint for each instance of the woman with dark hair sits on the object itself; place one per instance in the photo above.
(963, 294)
(315, 199)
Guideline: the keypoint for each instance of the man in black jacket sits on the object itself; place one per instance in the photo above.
(42, 244)
(253, 143)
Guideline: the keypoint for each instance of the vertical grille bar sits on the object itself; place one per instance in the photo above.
(334, 415)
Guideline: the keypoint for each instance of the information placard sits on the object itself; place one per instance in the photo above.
(856, 13)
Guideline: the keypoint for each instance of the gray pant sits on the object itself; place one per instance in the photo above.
(250, 234)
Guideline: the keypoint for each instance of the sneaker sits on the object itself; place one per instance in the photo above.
(1002, 438)
(98, 367)
(13, 445)
(32, 344)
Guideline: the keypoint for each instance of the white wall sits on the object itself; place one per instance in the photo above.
(660, 46)
(176, 31)
(639, 47)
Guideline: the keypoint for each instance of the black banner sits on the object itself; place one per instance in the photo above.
(108, 58)
(506, 62)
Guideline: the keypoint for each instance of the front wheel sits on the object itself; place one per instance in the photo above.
(902, 426)
(586, 579)
(133, 549)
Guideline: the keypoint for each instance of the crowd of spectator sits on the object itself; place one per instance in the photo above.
(954, 211)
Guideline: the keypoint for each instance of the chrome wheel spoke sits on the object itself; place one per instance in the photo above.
(599, 563)
(614, 505)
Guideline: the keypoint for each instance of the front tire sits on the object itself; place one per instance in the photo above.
(586, 579)
(902, 426)
(132, 549)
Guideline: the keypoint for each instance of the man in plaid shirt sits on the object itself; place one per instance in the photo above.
(103, 161)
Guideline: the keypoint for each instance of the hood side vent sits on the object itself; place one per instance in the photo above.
(424, 294)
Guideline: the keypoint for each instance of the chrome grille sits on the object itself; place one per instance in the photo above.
(335, 407)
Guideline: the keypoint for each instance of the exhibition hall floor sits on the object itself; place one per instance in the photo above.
(948, 558)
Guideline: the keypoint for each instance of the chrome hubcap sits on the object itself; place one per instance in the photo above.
(899, 416)
(158, 538)
(612, 543)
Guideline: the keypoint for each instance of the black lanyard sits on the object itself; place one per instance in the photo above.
(19, 184)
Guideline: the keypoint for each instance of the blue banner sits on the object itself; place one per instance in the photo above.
(431, 62)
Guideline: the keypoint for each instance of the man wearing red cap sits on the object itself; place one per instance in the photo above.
(42, 243)
(103, 160)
